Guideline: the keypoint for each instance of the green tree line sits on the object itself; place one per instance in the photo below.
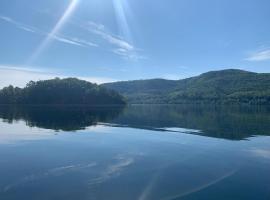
(60, 91)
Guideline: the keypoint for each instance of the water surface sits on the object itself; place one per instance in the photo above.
(137, 152)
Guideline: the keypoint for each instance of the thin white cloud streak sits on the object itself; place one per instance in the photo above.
(57, 37)
(22, 68)
(54, 31)
(18, 24)
(99, 29)
(19, 77)
(259, 56)
(115, 41)
(121, 47)
(84, 42)
(67, 41)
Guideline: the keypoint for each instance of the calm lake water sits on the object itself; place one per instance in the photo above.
(137, 152)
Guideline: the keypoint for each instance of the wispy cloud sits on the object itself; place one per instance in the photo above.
(262, 55)
(84, 42)
(121, 47)
(57, 37)
(66, 40)
(18, 24)
(20, 76)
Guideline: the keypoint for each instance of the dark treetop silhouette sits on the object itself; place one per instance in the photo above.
(60, 91)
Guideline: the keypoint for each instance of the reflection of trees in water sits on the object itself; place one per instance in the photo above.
(214, 121)
(67, 118)
(230, 122)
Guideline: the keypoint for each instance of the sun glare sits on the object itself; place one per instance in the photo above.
(121, 10)
(53, 33)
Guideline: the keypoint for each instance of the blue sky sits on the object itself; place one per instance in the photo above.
(110, 40)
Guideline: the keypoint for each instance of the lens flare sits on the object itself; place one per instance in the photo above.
(61, 22)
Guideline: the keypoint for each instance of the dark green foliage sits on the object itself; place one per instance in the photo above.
(218, 87)
(60, 91)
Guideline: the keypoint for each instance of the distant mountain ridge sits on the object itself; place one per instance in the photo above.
(221, 87)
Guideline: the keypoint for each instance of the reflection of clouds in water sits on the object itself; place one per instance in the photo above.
(262, 153)
(180, 130)
(113, 170)
(52, 172)
(65, 169)
(12, 133)
(99, 128)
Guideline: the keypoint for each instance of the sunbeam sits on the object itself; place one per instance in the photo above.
(121, 9)
(53, 34)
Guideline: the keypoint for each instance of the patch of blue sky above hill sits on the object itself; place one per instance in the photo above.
(20, 76)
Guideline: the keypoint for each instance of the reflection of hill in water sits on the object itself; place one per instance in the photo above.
(221, 121)
(66, 118)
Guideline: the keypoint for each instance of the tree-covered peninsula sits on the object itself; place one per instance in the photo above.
(60, 92)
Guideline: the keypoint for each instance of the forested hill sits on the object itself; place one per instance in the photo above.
(60, 91)
(226, 86)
